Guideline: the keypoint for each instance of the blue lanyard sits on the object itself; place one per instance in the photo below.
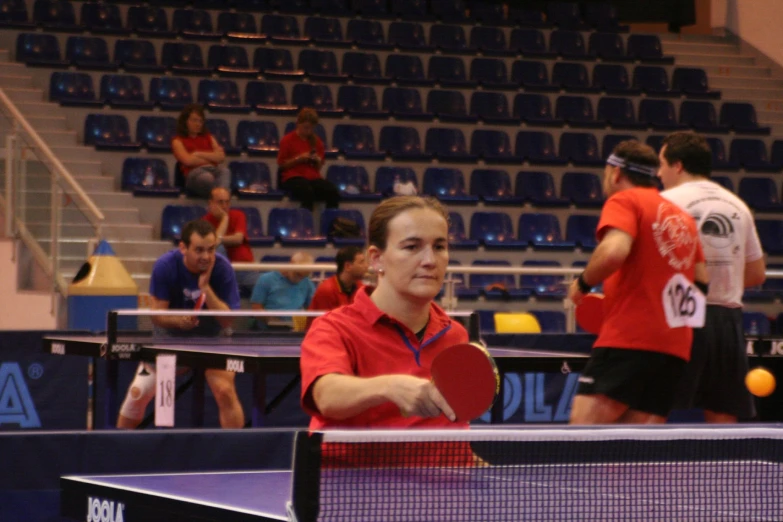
(417, 351)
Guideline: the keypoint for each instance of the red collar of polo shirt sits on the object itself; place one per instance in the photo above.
(438, 319)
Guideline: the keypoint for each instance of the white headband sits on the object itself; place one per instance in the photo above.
(617, 161)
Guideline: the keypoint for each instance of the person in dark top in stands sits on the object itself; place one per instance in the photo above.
(300, 160)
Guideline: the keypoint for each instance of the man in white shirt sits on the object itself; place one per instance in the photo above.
(715, 377)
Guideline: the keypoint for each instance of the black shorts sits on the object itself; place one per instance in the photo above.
(644, 380)
(714, 379)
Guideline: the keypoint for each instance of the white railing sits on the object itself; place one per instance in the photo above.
(22, 144)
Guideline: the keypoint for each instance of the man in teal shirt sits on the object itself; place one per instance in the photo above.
(285, 290)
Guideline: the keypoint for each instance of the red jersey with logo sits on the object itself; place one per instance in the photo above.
(643, 298)
(292, 146)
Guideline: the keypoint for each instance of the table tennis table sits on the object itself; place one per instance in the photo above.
(262, 356)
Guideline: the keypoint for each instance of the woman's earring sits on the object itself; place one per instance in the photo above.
(380, 270)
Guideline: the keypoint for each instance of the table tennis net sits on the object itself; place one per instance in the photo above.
(539, 474)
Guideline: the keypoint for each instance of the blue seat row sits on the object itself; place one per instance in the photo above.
(61, 15)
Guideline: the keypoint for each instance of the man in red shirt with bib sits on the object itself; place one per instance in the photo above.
(341, 288)
(648, 258)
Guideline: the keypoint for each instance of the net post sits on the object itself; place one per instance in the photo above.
(474, 327)
(305, 490)
(111, 328)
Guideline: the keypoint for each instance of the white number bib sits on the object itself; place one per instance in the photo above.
(683, 303)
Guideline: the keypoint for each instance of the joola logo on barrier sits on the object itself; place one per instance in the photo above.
(235, 365)
(776, 348)
(16, 404)
(58, 348)
(100, 510)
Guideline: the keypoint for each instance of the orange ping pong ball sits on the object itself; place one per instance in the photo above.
(760, 382)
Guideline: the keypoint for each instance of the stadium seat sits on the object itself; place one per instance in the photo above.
(531, 43)
(771, 235)
(147, 177)
(149, 21)
(583, 189)
(108, 132)
(776, 156)
(258, 138)
(219, 130)
(755, 323)
(135, 55)
(102, 18)
(171, 93)
(529, 18)
(491, 108)
(123, 91)
(609, 47)
(449, 71)
(447, 185)
(174, 218)
(491, 73)
(580, 149)
(375, 9)
(13, 14)
(252, 180)
(659, 114)
(495, 231)
(496, 287)
(458, 239)
(268, 98)
(577, 112)
(751, 154)
(535, 109)
(490, 41)
(156, 132)
(282, 29)
(320, 66)
(39, 49)
(489, 14)
(406, 70)
(551, 321)
(387, 176)
(493, 146)
(363, 68)
(611, 140)
(543, 232)
(355, 141)
(194, 23)
(73, 89)
(723, 181)
(493, 186)
(55, 15)
(352, 181)
(449, 39)
(720, 158)
(404, 103)
(366, 34)
(221, 96)
(325, 31)
(239, 27)
(543, 287)
(255, 228)
(409, 36)
(89, 52)
(294, 227)
(533, 76)
(647, 48)
(538, 148)
(570, 45)
(539, 189)
(330, 214)
(416, 10)
(602, 16)
(184, 58)
(613, 79)
(359, 101)
(619, 113)
(572, 77)
(317, 96)
(701, 116)
(741, 117)
(653, 81)
(275, 63)
(565, 15)
(447, 144)
(449, 11)
(230, 61)
(692, 82)
(760, 194)
(580, 229)
(331, 7)
(402, 143)
(293, 7)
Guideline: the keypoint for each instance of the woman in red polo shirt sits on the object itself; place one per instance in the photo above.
(300, 160)
(199, 154)
(367, 365)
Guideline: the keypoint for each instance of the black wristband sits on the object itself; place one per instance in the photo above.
(704, 287)
(582, 284)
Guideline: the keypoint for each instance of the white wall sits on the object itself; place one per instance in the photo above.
(21, 310)
(757, 22)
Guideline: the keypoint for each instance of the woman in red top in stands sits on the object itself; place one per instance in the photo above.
(300, 160)
(199, 154)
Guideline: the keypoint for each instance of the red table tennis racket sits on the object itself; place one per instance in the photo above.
(200, 302)
(466, 376)
(590, 313)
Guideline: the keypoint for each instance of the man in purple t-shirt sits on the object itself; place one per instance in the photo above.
(179, 278)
